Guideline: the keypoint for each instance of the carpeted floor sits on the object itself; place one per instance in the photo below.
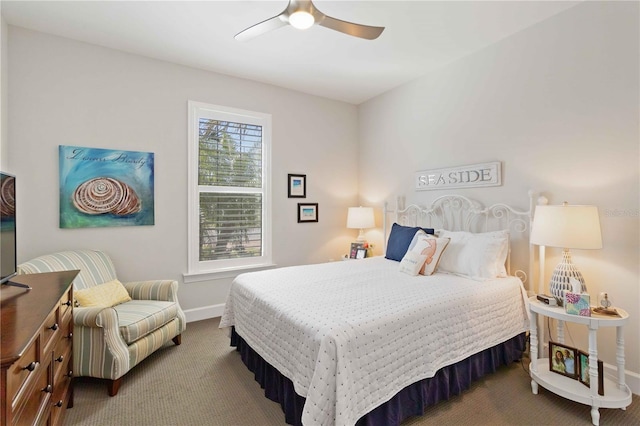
(204, 382)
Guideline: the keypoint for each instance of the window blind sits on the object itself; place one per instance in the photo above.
(231, 190)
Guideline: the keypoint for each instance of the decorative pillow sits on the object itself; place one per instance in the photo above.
(479, 256)
(412, 263)
(400, 238)
(104, 295)
(427, 245)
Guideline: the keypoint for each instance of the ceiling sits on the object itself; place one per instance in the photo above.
(420, 36)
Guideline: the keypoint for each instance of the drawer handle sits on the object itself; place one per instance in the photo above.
(58, 404)
(60, 358)
(70, 373)
(47, 389)
(67, 303)
(32, 366)
(54, 327)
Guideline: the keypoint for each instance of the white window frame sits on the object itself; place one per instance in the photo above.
(213, 269)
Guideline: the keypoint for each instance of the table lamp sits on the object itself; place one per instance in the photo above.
(360, 218)
(567, 227)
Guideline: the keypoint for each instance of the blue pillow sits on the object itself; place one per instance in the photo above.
(400, 238)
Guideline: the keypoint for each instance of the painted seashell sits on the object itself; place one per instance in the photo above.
(106, 195)
(7, 200)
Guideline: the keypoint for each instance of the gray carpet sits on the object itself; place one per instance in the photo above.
(204, 382)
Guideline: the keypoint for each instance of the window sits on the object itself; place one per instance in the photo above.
(229, 185)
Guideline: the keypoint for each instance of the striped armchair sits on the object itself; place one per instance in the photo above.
(108, 342)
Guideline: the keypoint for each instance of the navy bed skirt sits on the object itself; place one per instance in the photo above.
(410, 401)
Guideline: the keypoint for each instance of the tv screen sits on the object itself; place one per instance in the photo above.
(8, 259)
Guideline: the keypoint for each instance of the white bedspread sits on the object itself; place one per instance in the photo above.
(351, 334)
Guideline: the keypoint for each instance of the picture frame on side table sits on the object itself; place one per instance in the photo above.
(297, 186)
(355, 249)
(361, 253)
(307, 212)
(583, 367)
(563, 360)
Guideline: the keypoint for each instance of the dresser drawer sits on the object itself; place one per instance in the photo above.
(66, 303)
(50, 329)
(61, 388)
(34, 409)
(22, 372)
(61, 356)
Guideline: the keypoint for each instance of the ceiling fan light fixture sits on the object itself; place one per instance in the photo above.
(302, 14)
(301, 20)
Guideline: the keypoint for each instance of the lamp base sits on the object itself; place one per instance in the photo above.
(361, 238)
(560, 279)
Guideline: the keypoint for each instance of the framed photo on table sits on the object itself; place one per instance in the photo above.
(307, 212)
(563, 360)
(583, 368)
(297, 186)
(357, 251)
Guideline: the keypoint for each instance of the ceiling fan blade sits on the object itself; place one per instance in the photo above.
(357, 30)
(261, 28)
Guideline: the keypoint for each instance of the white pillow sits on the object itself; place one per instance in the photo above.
(412, 262)
(427, 249)
(478, 256)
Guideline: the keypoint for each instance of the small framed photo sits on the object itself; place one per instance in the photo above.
(355, 249)
(361, 253)
(562, 360)
(583, 367)
(297, 186)
(307, 212)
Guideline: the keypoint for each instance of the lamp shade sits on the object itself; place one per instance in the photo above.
(567, 226)
(360, 217)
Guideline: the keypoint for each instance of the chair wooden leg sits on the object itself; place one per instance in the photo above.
(114, 386)
(178, 339)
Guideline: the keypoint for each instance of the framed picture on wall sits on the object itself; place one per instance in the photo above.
(307, 212)
(105, 187)
(297, 186)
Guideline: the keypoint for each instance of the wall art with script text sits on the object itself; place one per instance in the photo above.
(105, 187)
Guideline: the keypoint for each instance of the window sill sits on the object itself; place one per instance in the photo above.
(220, 274)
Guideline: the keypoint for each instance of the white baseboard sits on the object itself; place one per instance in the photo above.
(206, 312)
(630, 378)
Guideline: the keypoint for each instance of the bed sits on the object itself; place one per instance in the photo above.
(366, 342)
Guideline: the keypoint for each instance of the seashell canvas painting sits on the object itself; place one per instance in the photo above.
(105, 187)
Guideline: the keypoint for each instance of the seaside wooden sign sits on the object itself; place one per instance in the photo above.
(485, 174)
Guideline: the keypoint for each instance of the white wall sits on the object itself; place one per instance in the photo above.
(64, 92)
(4, 83)
(558, 104)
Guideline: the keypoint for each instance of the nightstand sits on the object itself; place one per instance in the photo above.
(616, 393)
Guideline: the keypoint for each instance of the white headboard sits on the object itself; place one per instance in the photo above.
(459, 213)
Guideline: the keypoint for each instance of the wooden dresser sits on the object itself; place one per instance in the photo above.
(36, 349)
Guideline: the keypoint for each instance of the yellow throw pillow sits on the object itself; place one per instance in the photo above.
(104, 295)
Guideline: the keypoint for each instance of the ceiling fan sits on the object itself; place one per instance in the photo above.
(302, 14)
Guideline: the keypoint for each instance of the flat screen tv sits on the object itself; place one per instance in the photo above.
(8, 259)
